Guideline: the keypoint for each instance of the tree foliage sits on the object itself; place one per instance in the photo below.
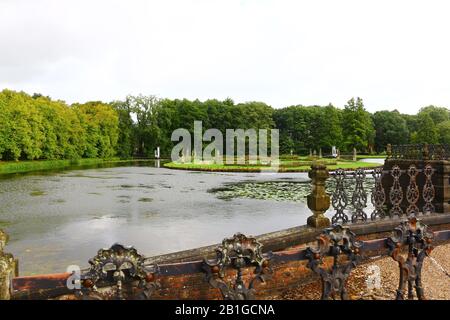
(390, 128)
(357, 126)
(37, 127)
(443, 129)
(426, 130)
(313, 127)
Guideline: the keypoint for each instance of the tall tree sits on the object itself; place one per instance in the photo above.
(426, 130)
(147, 131)
(357, 126)
(100, 122)
(443, 129)
(126, 139)
(390, 128)
(438, 114)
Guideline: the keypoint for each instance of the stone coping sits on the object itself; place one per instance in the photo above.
(284, 239)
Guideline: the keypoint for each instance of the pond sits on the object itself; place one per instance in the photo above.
(60, 218)
(373, 160)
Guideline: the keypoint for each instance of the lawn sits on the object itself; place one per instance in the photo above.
(37, 165)
(285, 166)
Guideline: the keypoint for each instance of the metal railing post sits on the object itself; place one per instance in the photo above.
(318, 199)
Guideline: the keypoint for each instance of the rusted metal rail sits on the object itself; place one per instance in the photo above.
(53, 285)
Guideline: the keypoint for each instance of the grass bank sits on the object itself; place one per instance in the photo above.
(284, 166)
(7, 167)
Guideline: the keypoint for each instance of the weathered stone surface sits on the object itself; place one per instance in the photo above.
(288, 273)
(7, 268)
(318, 200)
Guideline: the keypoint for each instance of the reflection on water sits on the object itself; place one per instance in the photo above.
(55, 219)
(373, 160)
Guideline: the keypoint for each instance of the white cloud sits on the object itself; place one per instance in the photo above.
(394, 54)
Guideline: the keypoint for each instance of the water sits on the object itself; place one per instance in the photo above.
(56, 219)
(374, 160)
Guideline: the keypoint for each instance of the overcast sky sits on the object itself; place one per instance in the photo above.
(393, 54)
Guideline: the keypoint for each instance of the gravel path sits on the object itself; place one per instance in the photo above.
(435, 283)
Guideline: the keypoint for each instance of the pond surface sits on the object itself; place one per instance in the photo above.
(374, 160)
(56, 219)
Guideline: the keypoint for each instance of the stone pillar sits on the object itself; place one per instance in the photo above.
(318, 199)
(7, 268)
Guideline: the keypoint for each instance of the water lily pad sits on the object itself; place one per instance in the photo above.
(37, 193)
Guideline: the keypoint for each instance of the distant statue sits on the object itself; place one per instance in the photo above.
(314, 154)
(334, 152)
(157, 153)
(320, 152)
(354, 154)
(389, 150)
(292, 152)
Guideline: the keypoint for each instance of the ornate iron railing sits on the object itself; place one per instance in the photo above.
(237, 253)
(121, 268)
(398, 201)
(120, 272)
(411, 234)
(419, 151)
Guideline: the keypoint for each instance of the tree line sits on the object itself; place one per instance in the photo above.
(37, 127)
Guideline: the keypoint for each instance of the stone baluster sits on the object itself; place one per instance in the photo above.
(318, 199)
(7, 268)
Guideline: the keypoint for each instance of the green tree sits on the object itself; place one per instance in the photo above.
(426, 130)
(443, 129)
(21, 135)
(437, 114)
(100, 121)
(126, 127)
(147, 133)
(357, 126)
(390, 128)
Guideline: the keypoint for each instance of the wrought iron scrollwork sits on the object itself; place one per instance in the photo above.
(412, 192)
(428, 190)
(332, 242)
(237, 253)
(121, 271)
(378, 196)
(414, 235)
(396, 192)
(339, 199)
(419, 151)
(359, 196)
